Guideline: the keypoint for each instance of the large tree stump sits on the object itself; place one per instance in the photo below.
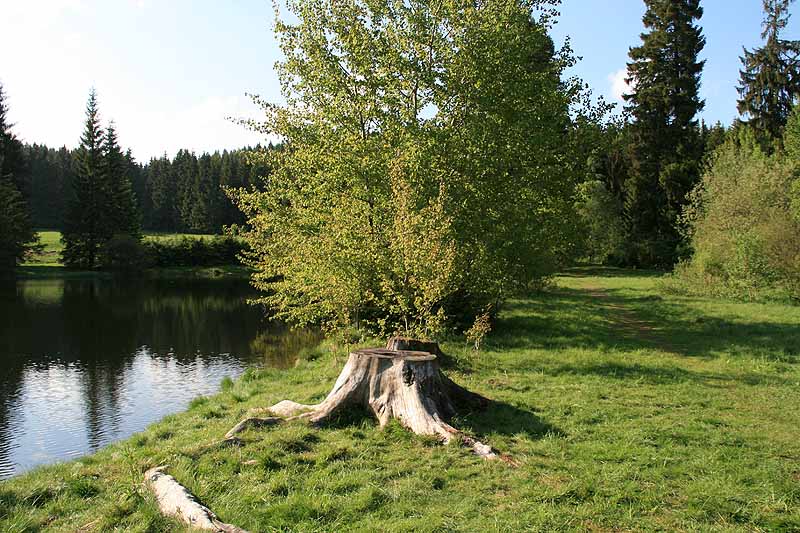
(405, 384)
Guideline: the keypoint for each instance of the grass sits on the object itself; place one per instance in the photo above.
(47, 264)
(627, 409)
(50, 255)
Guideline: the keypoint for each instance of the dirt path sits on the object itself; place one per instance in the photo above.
(628, 323)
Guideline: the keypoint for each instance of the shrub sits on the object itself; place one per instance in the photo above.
(743, 225)
(122, 253)
(194, 251)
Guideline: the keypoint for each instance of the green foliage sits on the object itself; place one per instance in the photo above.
(601, 215)
(770, 81)
(192, 251)
(50, 176)
(423, 173)
(479, 330)
(185, 193)
(120, 212)
(103, 205)
(123, 253)
(667, 145)
(84, 229)
(742, 223)
(16, 236)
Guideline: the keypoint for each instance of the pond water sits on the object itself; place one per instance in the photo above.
(87, 362)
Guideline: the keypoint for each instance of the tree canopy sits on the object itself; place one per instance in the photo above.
(424, 176)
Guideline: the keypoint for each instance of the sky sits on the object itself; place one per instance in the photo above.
(169, 73)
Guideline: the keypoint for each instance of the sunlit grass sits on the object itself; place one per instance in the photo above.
(52, 246)
(627, 409)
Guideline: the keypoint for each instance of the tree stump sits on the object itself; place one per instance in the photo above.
(397, 382)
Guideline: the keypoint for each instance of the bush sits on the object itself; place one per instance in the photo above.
(122, 253)
(194, 251)
(743, 225)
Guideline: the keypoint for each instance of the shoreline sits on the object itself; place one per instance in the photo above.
(34, 272)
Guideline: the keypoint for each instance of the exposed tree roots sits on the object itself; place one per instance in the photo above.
(404, 382)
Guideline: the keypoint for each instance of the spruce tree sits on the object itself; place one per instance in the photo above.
(665, 75)
(120, 213)
(16, 232)
(85, 229)
(163, 194)
(770, 81)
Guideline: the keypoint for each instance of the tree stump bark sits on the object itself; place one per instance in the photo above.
(397, 382)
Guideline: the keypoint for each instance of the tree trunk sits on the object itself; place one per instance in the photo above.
(400, 383)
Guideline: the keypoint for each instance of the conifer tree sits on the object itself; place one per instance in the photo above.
(665, 75)
(120, 213)
(163, 193)
(16, 233)
(84, 228)
(138, 183)
(770, 81)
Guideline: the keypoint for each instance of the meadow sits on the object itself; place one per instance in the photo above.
(625, 407)
(47, 262)
(50, 256)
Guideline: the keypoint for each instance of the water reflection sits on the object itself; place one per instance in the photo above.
(86, 362)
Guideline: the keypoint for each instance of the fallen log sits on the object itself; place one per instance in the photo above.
(175, 500)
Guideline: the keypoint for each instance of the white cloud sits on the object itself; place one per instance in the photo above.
(619, 85)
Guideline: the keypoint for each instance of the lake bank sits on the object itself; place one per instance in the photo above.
(60, 272)
(47, 263)
(627, 409)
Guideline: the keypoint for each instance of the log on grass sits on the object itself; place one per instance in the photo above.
(175, 500)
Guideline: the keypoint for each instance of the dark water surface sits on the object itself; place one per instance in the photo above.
(87, 362)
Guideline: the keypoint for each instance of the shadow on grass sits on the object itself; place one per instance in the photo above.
(500, 418)
(601, 271)
(657, 375)
(497, 418)
(565, 318)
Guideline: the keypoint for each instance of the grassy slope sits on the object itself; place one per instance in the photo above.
(628, 411)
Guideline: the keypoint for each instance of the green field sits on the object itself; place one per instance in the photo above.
(50, 255)
(626, 408)
(47, 264)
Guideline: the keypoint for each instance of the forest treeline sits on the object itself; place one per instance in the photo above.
(182, 194)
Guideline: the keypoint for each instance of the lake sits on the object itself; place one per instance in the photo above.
(87, 362)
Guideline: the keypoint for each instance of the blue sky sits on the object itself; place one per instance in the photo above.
(168, 72)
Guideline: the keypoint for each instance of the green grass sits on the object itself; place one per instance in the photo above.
(47, 264)
(627, 409)
(50, 255)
